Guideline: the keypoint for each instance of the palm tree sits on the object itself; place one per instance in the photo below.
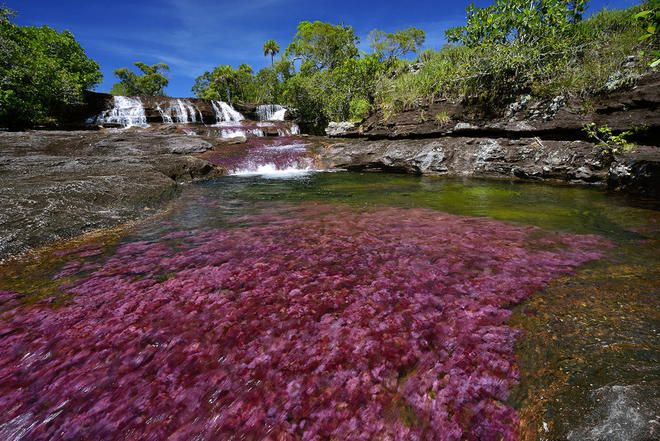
(271, 47)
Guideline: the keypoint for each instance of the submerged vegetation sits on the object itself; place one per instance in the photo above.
(321, 323)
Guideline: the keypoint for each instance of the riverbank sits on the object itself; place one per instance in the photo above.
(57, 185)
(536, 140)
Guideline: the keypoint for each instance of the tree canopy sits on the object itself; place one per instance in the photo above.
(271, 48)
(151, 82)
(321, 45)
(522, 20)
(397, 44)
(42, 71)
(226, 84)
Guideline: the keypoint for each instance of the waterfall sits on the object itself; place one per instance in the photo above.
(275, 157)
(291, 130)
(167, 117)
(126, 111)
(271, 112)
(224, 112)
(184, 112)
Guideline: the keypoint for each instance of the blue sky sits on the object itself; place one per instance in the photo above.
(193, 36)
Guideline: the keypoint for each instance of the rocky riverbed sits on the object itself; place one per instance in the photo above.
(59, 184)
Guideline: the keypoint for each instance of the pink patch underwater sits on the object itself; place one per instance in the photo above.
(325, 324)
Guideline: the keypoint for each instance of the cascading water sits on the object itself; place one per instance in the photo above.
(225, 113)
(184, 112)
(271, 112)
(268, 157)
(126, 111)
(167, 118)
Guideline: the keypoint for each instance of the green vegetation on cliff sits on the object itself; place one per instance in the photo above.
(505, 50)
(42, 73)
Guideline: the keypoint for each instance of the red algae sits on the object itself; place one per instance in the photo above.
(282, 152)
(326, 324)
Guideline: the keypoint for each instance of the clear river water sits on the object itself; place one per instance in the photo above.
(307, 305)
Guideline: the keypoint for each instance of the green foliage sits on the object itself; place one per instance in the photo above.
(333, 90)
(442, 117)
(397, 44)
(42, 73)
(321, 45)
(608, 141)
(564, 56)
(521, 21)
(271, 48)
(227, 84)
(650, 17)
(359, 109)
(151, 82)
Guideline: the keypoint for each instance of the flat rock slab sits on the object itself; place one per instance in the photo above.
(56, 185)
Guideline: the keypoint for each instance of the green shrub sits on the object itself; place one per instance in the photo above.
(579, 60)
(359, 109)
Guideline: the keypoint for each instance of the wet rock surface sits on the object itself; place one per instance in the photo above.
(339, 128)
(537, 140)
(57, 185)
(529, 158)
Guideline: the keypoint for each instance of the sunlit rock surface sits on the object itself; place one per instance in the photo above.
(59, 184)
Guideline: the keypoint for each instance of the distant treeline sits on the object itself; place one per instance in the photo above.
(541, 48)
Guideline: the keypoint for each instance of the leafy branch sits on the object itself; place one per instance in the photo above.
(609, 141)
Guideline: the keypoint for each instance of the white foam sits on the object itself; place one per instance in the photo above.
(126, 111)
(271, 112)
(233, 133)
(271, 171)
(225, 112)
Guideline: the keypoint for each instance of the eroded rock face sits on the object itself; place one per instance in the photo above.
(59, 184)
(637, 172)
(557, 118)
(527, 139)
(529, 158)
(339, 128)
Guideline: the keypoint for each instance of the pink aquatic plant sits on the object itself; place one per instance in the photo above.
(327, 324)
(281, 152)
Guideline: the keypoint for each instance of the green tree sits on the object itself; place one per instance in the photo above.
(226, 84)
(516, 44)
(345, 92)
(322, 45)
(151, 82)
(42, 73)
(271, 48)
(523, 21)
(397, 44)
